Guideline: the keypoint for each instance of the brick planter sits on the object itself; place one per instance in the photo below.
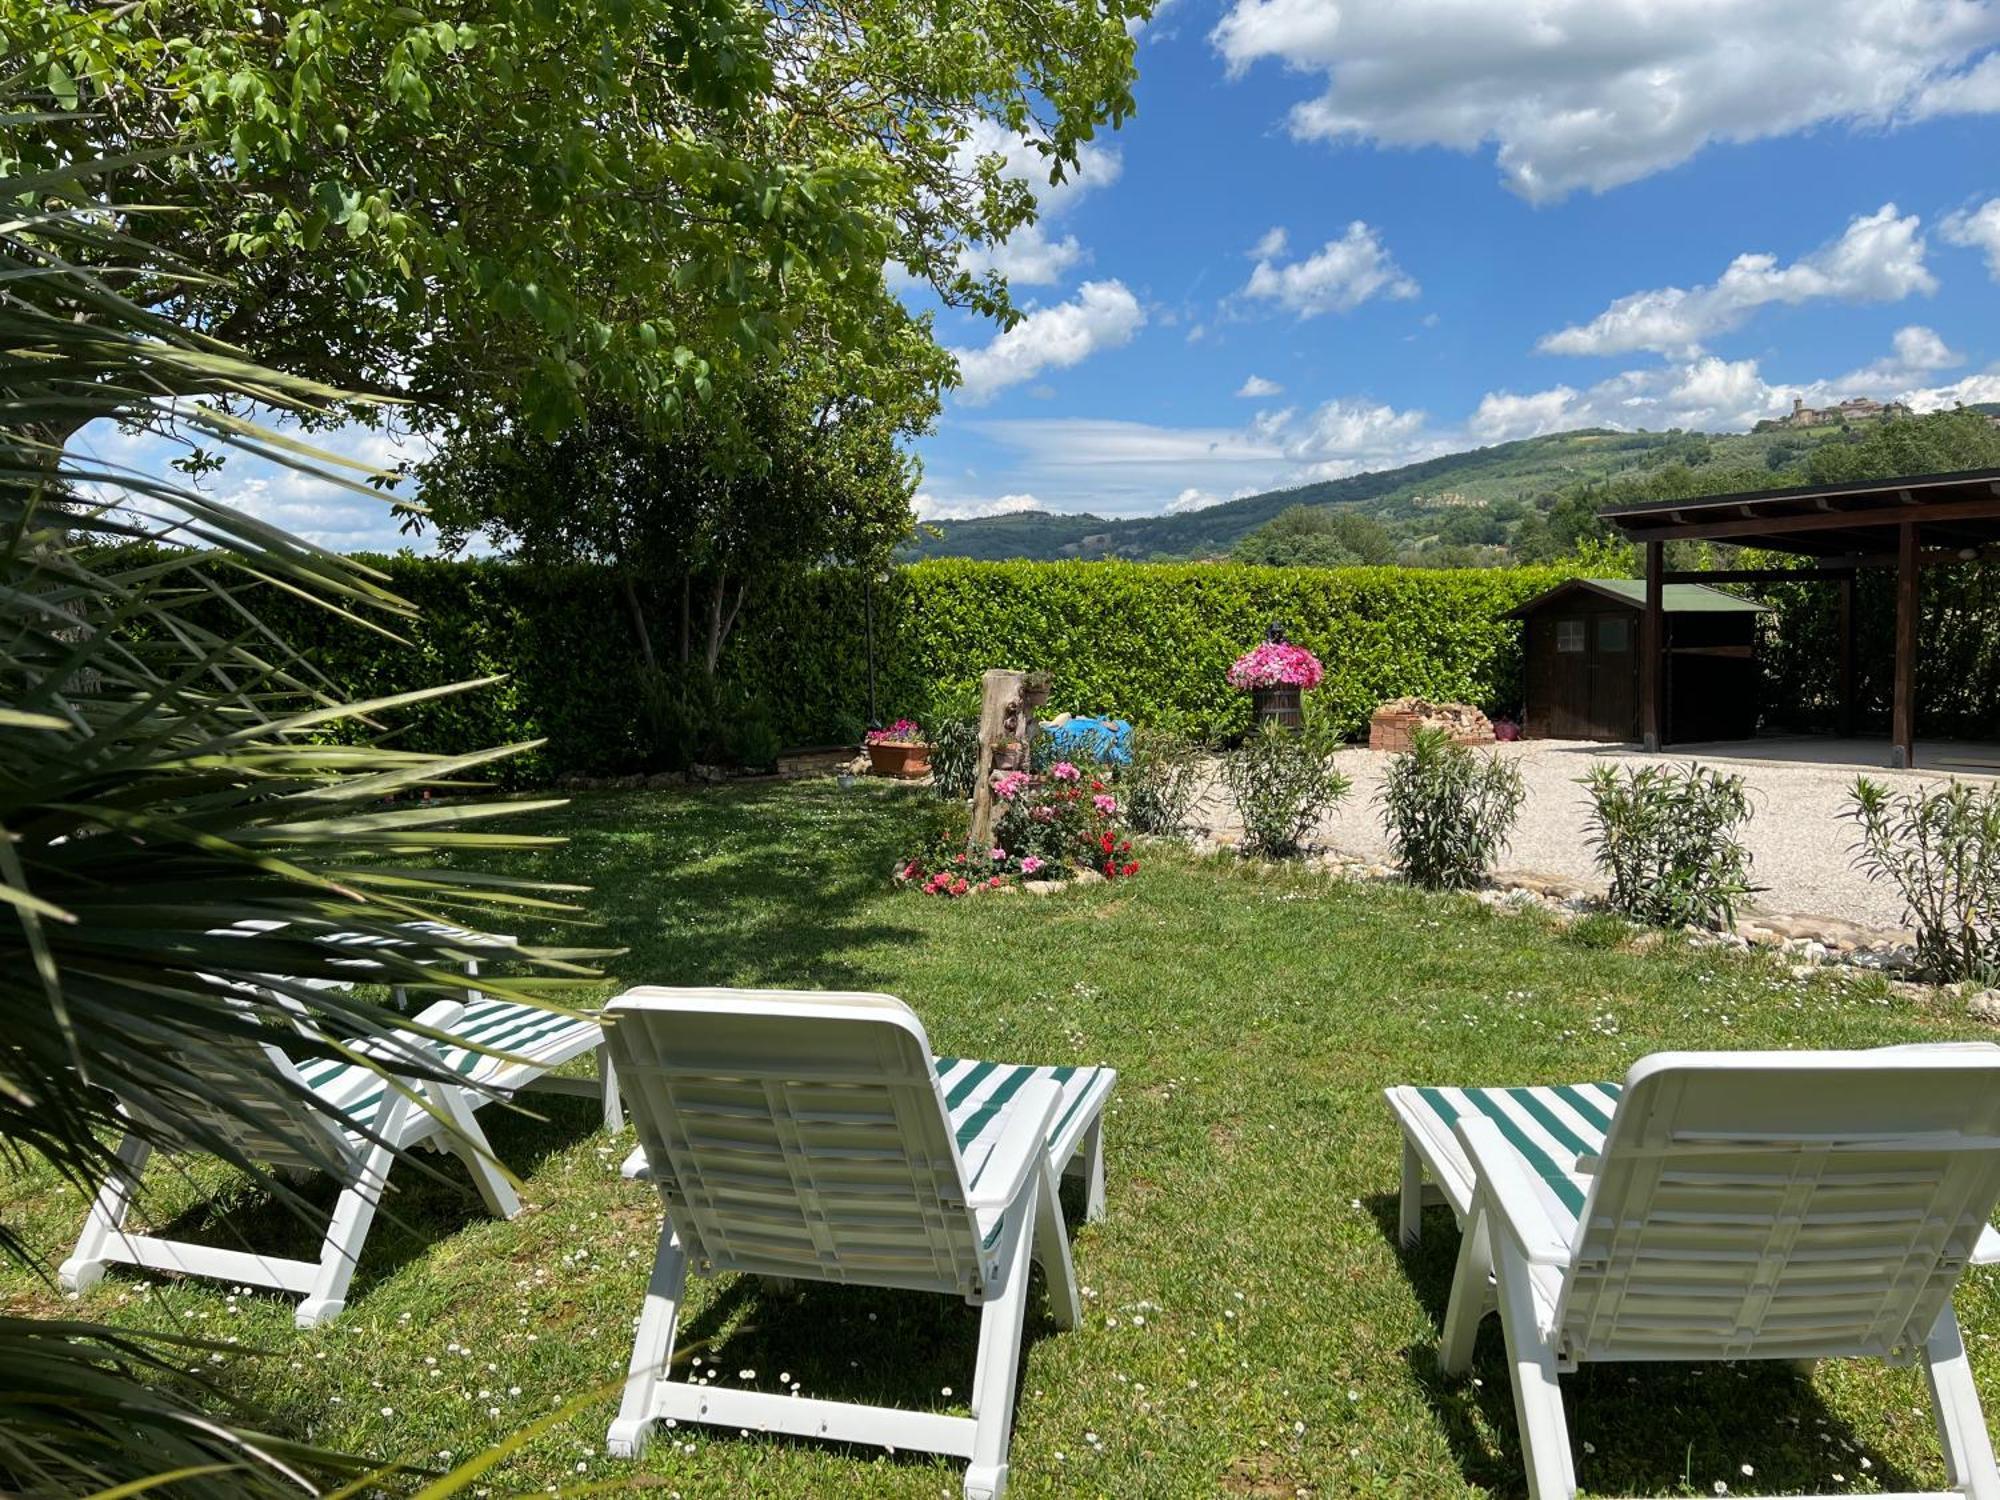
(1390, 727)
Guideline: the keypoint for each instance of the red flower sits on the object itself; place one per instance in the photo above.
(959, 887)
(1132, 867)
(1105, 842)
(958, 859)
(1097, 786)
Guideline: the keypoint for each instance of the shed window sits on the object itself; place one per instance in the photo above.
(1569, 636)
(1614, 634)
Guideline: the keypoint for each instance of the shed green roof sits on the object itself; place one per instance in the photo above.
(1675, 598)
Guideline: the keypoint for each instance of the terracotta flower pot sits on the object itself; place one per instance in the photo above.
(1280, 703)
(899, 758)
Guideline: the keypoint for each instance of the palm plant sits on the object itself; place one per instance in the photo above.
(168, 769)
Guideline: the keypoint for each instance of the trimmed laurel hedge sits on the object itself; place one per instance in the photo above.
(1143, 641)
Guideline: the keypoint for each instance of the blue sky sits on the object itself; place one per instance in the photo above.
(1345, 234)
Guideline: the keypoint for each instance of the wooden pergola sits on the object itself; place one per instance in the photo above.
(1905, 524)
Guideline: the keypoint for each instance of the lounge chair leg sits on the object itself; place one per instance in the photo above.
(353, 1212)
(1410, 1218)
(1000, 1323)
(85, 1268)
(1968, 1447)
(1052, 1250)
(1471, 1288)
(607, 1080)
(1092, 1152)
(1538, 1398)
(652, 1348)
(469, 1144)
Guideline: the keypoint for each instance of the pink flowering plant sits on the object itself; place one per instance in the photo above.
(1065, 821)
(1046, 827)
(902, 732)
(1276, 664)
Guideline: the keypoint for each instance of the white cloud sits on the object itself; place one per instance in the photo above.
(1340, 275)
(1346, 436)
(1879, 258)
(1594, 93)
(1915, 352)
(930, 508)
(318, 509)
(1102, 315)
(1978, 229)
(1257, 387)
(1502, 416)
(1717, 395)
(1121, 468)
(1032, 256)
(1272, 245)
(1191, 499)
(1975, 91)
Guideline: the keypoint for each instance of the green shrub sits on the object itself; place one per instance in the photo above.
(1448, 811)
(1283, 781)
(1940, 847)
(954, 757)
(1665, 837)
(1160, 785)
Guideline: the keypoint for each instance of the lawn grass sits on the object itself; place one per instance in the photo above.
(1251, 1327)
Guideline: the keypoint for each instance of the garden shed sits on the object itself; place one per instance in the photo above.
(1581, 661)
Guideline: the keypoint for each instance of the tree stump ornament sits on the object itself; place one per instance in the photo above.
(1010, 706)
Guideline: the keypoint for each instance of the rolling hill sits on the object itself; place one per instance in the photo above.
(1419, 502)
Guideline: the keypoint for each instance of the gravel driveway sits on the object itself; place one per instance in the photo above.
(1797, 838)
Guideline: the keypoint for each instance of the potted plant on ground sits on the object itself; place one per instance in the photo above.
(1276, 674)
(899, 750)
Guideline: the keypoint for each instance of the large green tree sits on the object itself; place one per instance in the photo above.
(550, 203)
(1317, 536)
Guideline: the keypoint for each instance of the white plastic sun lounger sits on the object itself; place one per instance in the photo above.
(1719, 1206)
(362, 1123)
(814, 1137)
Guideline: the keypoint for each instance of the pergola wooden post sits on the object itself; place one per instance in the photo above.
(1908, 524)
(1846, 624)
(1653, 649)
(1903, 723)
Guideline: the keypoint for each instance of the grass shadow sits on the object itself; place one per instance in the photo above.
(1635, 1429)
(761, 885)
(430, 1197)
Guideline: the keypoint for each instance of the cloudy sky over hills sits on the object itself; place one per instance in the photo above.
(1347, 234)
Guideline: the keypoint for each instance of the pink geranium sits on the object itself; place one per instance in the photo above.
(1276, 664)
(1108, 806)
(1062, 770)
(1030, 864)
(1008, 786)
(902, 732)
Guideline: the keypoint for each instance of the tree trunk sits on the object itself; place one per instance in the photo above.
(687, 613)
(720, 624)
(639, 621)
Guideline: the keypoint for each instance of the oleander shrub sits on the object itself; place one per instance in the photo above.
(1448, 810)
(1283, 781)
(954, 757)
(1940, 847)
(1162, 780)
(1666, 839)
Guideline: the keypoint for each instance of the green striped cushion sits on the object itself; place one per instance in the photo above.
(522, 1030)
(979, 1096)
(1549, 1128)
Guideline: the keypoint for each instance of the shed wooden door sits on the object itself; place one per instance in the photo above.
(1614, 677)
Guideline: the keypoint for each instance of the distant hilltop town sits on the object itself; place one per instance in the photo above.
(1854, 409)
